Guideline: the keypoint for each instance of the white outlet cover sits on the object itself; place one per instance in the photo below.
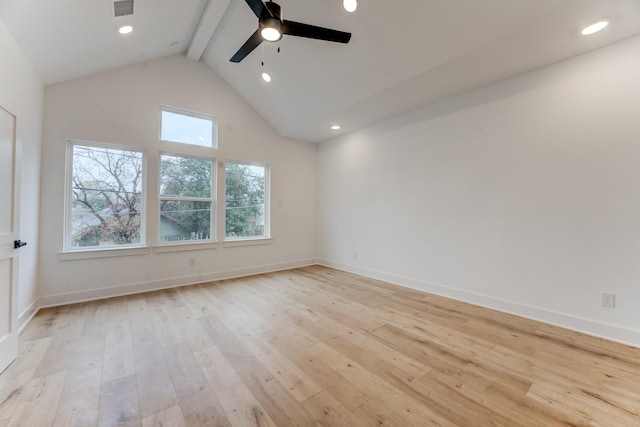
(608, 299)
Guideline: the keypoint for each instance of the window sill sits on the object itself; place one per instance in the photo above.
(144, 250)
(101, 253)
(179, 247)
(247, 242)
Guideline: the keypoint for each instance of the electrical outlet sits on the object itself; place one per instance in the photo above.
(355, 254)
(608, 299)
(192, 262)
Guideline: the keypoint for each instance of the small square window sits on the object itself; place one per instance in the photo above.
(187, 127)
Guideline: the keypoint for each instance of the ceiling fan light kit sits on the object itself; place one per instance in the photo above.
(271, 27)
(270, 33)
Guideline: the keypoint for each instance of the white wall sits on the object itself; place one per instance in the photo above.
(522, 196)
(23, 89)
(122, 106)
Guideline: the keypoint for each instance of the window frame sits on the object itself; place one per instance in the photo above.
(213, 200)
(194, 114)
(150, 209)
(68, 199)
(266, 236)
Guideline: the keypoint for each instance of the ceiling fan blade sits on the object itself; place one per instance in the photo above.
(312, 32)
(248, 46)
(258, 8)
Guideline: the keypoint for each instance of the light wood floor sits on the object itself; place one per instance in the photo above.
(311, 346)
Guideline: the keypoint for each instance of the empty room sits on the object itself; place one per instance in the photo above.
(331, 213)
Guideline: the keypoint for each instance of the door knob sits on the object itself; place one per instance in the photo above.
(17, 244)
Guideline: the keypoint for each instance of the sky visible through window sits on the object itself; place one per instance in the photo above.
(186, 129)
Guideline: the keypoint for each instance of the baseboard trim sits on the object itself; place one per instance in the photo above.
(585, 326)
(136, 288)
(27, 315)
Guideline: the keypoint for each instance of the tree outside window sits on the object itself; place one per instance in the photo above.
(106, 196)
(185, 198)
(246, 196)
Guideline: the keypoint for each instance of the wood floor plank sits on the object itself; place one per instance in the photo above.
(300, 385)
(93, 330)
(227, 309)
(111, 310)
(376, 386)
(331, 381)
(382, 412)
(238, 402)
(170, 417)
(229, 344)
(168, 330)
(310, 346)
(81, 397)
(378, 357)
(281, 406)
(118, 351)
(188, 328)
(14, 380)
(327, 411)
(37, 406)
(155, 389)
(199, 404)
(524, 410)
(216, 329)
(198, 299)
(45, 323)
(60, 353)
(335, 384)
(587, 404)
(441, 358)
(119, 403)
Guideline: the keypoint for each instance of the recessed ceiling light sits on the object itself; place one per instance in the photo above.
(266, 77)
(350, 5)
(335, 127)
(595, 27)
(125, 29)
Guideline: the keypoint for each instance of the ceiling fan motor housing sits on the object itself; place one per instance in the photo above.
(275, 9)
(271, 21)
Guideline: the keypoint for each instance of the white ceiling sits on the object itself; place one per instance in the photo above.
(403, 53)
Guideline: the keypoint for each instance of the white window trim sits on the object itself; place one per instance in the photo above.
(101, 251)
(189, 113)
(196, 245)
(244, 241)
(251, 241)
(214, 206)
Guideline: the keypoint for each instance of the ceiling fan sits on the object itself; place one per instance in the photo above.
(271, 27)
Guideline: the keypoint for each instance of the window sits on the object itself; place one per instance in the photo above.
(187, 127)
(105, 206)
(246, 201)
(186, 198)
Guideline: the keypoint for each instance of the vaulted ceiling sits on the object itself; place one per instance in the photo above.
(403, 53)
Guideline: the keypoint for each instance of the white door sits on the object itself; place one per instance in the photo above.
(8, 255)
